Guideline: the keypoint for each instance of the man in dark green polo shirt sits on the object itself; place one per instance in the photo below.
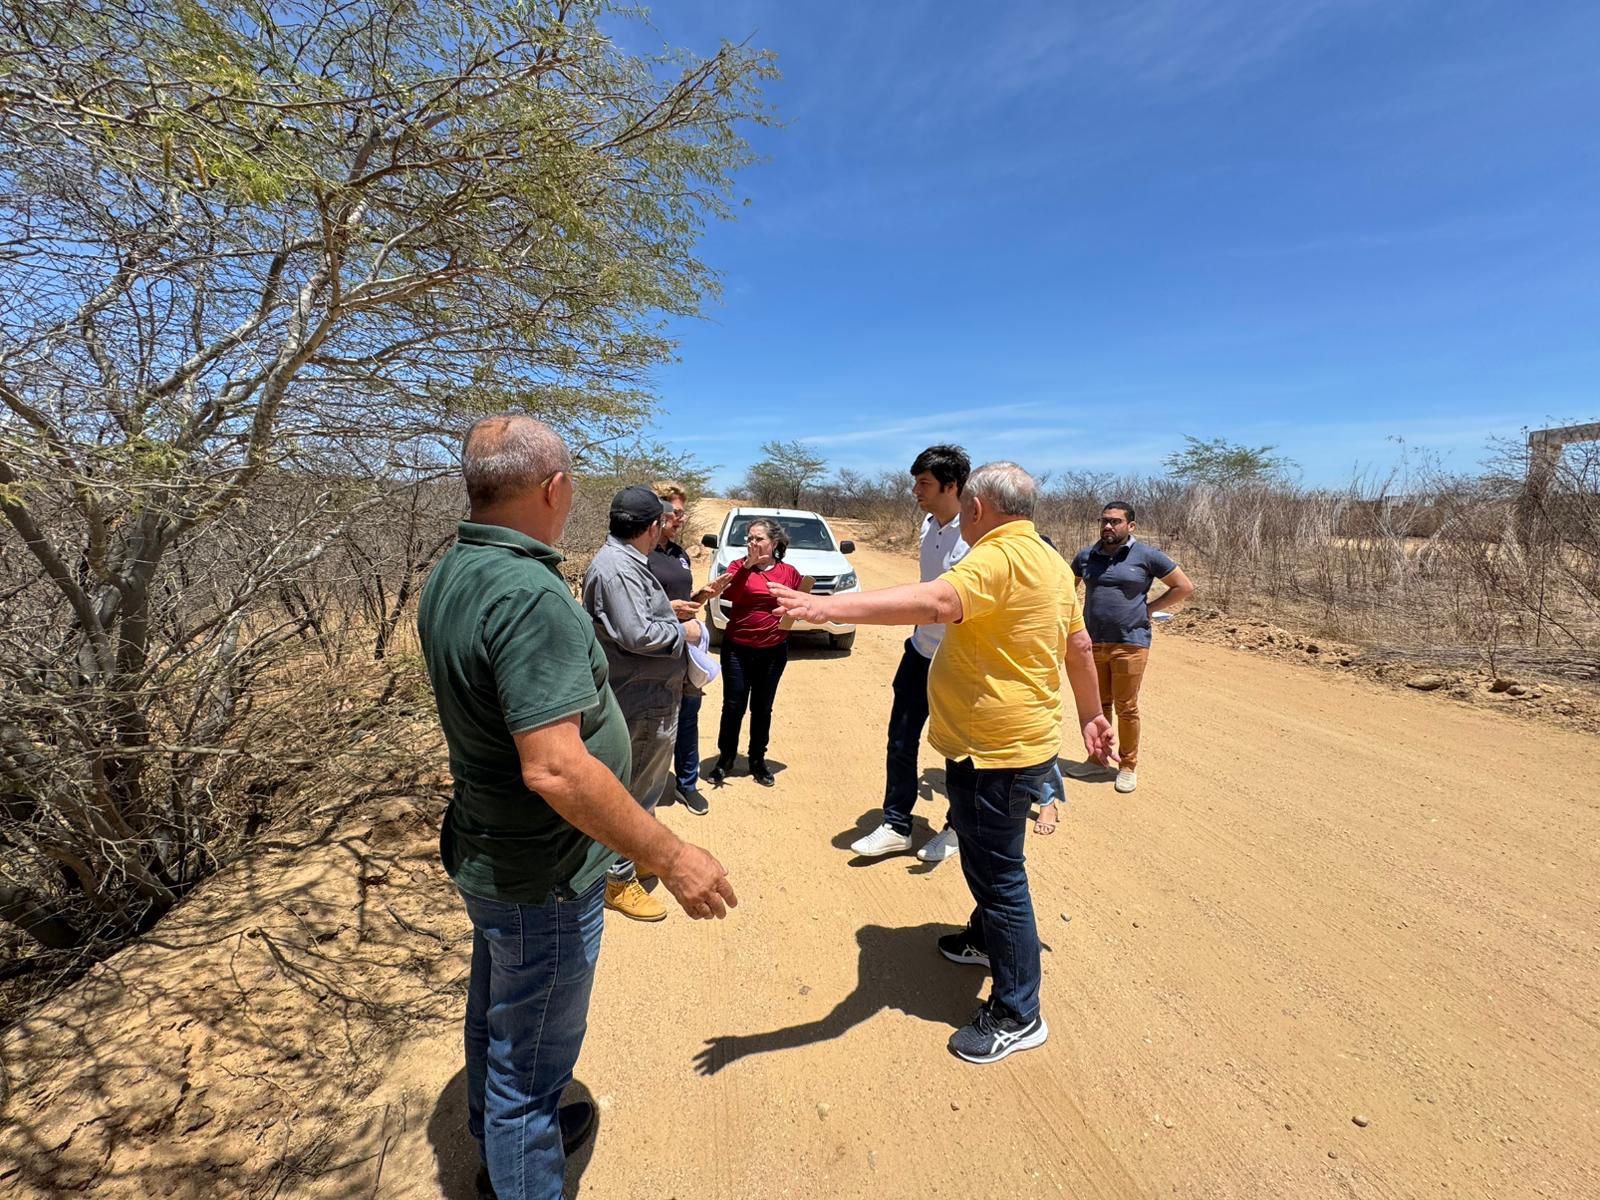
(539, 755)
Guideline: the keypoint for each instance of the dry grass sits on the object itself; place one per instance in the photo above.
(321, 734)
(1438, 572)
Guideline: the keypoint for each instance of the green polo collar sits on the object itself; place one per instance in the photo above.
(475, 534)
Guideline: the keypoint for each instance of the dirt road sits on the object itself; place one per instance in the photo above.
(1325, 902)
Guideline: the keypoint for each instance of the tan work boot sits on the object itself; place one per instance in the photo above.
(631, 900)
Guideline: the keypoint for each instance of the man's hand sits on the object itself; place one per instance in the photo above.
(800, 605)
(1179, 588)
(685, 610)
(1099, 741)
(698, 883)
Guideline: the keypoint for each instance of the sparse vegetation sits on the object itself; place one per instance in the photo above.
(1422, 561)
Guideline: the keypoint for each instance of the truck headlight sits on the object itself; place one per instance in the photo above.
(846, 581)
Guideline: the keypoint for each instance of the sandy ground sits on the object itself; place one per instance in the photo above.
(1327, 900)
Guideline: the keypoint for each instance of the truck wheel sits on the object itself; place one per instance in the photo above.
(842, 641)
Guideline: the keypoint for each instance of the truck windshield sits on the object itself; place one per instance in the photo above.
(805, 533)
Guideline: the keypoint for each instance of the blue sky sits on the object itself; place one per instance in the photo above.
(1070, 233)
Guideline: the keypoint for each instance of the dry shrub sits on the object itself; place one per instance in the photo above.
(309, 738)
(1423, 562)
(883, 502)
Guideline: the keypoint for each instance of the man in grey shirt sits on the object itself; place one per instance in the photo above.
(1117, 573)
(646, 649)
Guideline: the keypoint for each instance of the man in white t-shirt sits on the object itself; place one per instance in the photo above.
(938, 475)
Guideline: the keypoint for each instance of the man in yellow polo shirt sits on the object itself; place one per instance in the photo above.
(994, 700)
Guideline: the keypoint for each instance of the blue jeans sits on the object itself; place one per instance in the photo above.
(907, 716)
(527, 1011)
(652, 740)
(989, 810)
(686, 756)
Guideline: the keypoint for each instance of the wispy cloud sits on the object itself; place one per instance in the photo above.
(1169, 44)
(946, 423)
(1472, 229)
(900, 149)
(1436, 431)
(1029, 436)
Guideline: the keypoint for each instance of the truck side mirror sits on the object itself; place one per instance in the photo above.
(847, 547)
(709, 541)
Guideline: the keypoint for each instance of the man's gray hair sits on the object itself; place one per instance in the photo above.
(1009, 489)
(509, 453)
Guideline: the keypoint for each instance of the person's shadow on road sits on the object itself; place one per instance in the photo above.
(898, 968)
(456, 1152)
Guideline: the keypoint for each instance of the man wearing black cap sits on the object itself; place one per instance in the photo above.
(646, 649)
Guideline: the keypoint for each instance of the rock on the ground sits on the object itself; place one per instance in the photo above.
(1426, 683)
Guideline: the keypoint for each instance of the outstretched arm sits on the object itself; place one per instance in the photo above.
(934, 603)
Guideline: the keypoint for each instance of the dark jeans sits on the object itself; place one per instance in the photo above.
(686, 756)
(907, 716)
(989, 810)
(750, 676)
(527, 1011)
(652, 740)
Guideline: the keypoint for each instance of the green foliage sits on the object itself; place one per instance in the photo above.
(643, 461)
(1226, 464)
(263, 264)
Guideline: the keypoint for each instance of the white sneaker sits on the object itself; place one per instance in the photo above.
(940, 846)
(1126, 780)
(880, 841)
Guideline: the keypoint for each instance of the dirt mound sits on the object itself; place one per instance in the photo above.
(1528, 694)
(237, 1050)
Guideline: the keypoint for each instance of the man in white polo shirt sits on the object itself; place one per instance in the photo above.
(938, 475)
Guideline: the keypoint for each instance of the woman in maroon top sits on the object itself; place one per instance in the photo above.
(755, 647)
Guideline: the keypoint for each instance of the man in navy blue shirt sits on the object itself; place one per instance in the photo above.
(1117, 572)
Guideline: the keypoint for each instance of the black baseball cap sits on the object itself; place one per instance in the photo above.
(637, 504)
